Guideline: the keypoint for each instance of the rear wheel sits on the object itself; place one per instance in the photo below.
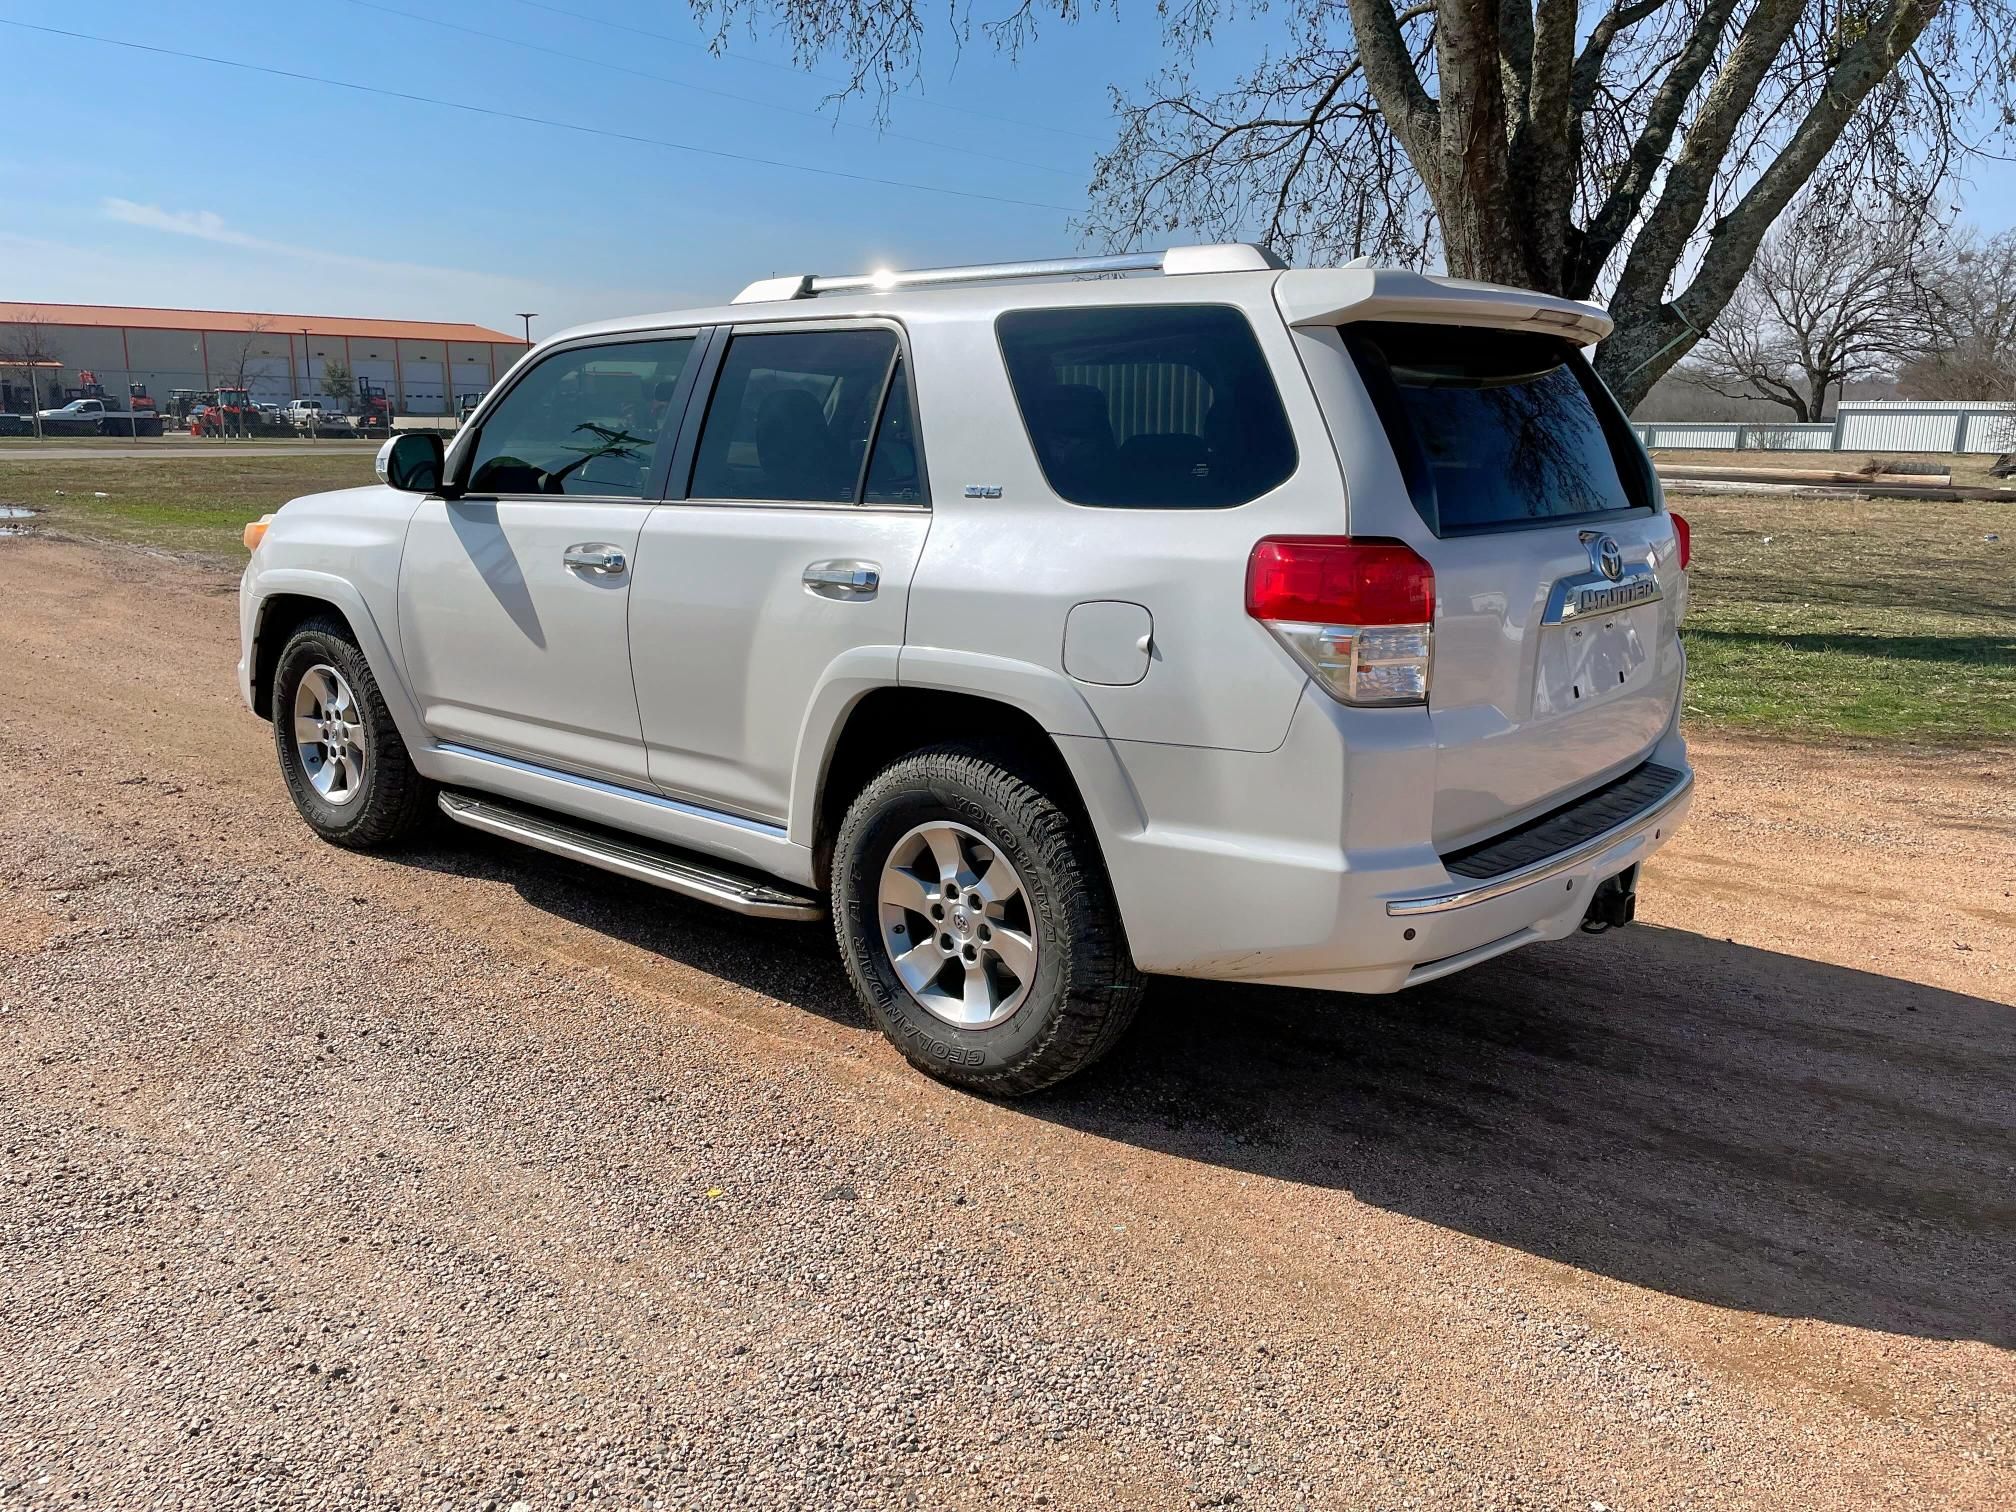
(346, 767)
(977, 923)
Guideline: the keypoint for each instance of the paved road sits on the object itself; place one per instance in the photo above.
(157, 450)
(468, 1179)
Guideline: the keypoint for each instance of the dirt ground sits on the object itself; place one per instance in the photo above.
(1971, 468)
(472, 1179)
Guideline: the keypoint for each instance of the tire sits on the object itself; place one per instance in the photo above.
(1083, 990)
(372, 802)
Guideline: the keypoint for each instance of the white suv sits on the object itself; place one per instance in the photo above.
(1311, 627)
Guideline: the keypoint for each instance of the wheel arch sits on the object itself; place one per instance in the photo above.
(289, 598)
(887, 722)
(280, 615)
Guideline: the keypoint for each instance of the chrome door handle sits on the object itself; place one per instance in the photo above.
(596, 556)
(843, 580)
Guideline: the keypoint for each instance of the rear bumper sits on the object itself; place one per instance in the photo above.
(1597, 850)
(1316, 867)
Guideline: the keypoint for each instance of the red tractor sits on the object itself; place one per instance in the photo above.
(226, 412)
(374, 406)
(88, 387)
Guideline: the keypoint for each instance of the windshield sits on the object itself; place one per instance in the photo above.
(1495, 428)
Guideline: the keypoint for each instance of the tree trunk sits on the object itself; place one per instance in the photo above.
(1639, 353)
(1484, 234)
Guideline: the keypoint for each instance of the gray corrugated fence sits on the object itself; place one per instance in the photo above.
(1872, 425)
(1704, 435)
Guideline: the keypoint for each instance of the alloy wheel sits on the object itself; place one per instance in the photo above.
(329, 735)
(956, 923)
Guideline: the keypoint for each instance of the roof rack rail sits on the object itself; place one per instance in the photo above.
(1221, 257)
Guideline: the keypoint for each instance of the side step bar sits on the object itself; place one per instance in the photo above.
(638, 860)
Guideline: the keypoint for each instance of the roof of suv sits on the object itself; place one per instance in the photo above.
(1234, 272)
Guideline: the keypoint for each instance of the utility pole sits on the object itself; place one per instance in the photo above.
(307, 375)
(526, 316)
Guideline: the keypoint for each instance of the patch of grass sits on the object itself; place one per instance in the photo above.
(1871, 619)
(185, 504)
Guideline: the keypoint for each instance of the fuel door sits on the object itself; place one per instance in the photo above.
(1108, 641)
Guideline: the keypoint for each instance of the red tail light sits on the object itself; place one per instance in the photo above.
(1358, 614)
(1339, 581)
(1686, 535)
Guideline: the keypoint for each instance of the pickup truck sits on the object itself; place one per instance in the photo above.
(315, 415)
(94, 417)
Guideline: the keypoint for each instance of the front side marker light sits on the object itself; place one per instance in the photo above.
(256, 532)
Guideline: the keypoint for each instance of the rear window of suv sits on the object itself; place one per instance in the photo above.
(1497, 428)
(1148, 406)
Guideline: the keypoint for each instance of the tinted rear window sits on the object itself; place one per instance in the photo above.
(1148, 407)
(1496, 428)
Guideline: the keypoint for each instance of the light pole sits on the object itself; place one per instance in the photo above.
(526, 316)
(306, 374)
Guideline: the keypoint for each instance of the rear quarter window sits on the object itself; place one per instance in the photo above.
(1497, 428)
(1148, 406)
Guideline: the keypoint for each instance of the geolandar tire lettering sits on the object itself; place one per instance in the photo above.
(977, 924)
(345, 766)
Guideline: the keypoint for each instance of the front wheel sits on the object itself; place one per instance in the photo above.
(342, 757)
(977, 923)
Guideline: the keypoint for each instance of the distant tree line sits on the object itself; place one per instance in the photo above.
(1849, 298)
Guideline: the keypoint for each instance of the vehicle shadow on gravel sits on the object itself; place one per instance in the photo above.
(1717, 1122)
(1745, 1129)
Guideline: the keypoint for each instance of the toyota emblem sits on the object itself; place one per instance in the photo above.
(1607, 557)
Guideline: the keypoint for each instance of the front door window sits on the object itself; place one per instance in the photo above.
(587, 421)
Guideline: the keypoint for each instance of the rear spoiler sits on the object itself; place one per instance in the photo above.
(1334, 296)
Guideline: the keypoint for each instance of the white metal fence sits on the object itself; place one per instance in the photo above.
(1875, 425)
(1707, 435)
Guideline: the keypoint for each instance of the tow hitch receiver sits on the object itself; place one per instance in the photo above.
(1614, 903)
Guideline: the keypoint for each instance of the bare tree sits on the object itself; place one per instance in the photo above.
(239, 369)
(1646, 154)
(338, 384)
(1829, 299)
(1973, 355)
(28, 346)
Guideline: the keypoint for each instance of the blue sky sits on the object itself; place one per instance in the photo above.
(130, 177)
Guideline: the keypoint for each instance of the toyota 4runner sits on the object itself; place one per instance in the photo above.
(1306, 627)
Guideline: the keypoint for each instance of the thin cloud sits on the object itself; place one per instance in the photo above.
(283, 275)
(207, 225)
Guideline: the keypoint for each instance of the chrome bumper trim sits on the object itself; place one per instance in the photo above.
(1540, 871)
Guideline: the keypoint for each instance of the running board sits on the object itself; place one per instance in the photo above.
(640, 861)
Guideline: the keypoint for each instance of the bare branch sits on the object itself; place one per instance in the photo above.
(1389, 68)
(1634, 177)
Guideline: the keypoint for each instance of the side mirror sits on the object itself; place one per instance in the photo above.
(411, 462)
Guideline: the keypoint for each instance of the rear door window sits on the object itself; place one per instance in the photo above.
(895, 474)
(1148, 406)
(793, 415)
(585, 421)
(1497, 428)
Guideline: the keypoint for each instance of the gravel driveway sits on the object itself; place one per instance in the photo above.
(472, 1179)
